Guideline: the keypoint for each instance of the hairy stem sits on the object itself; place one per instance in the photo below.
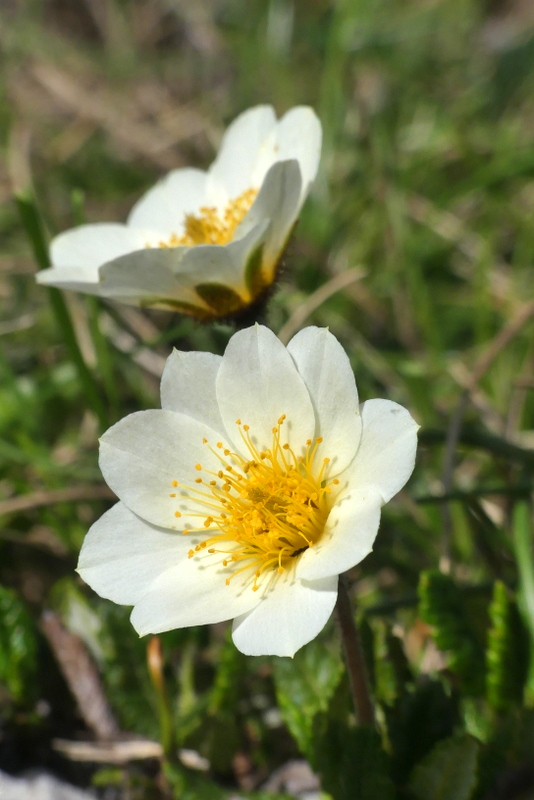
(359, 685)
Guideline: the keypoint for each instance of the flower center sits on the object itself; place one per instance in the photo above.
(267, 509)
(208, 227)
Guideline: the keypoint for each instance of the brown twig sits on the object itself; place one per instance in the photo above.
(350, 636)
(73, 494)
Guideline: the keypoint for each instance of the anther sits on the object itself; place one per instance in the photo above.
(198, 467)
(177, 514)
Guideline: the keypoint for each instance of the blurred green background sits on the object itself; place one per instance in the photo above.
(416, 248)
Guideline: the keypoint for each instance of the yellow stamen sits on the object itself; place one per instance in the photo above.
(210, 226)
(268, 508)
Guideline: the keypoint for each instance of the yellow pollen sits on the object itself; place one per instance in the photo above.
(177, 514)
(210, 226)
(266, 509)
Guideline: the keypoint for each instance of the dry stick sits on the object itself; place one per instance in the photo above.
(316, 299)
(73, 494)
(504, 337)
(359, 685)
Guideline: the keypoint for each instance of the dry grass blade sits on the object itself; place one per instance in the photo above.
(335, 284)
(81, 676)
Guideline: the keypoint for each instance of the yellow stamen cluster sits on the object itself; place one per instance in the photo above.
(267, 509)
(211, 228)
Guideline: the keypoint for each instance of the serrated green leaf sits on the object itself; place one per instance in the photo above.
(418, 720)
(17, 646)
(442, 606)
(350, 762)
(304, 686)
(449, 772)
(507, 654)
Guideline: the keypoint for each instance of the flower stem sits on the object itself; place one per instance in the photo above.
(363, 705)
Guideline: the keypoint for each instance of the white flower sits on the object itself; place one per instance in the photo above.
(203, 243)
(257, 483)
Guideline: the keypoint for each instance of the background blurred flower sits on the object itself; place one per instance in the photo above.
(259, 481)
(204, 243)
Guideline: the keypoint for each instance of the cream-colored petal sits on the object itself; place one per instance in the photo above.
(77, 254)
(188, 386)
(192, 592)
(386, 455)
(149, 277)
(348, 536)
(288, 616)
(257, 382)
(164, 207)
(327, 373)
(122, 555)
(222, 264)
(143, 454)
(298, 136)
(279, 202)
(242, 147)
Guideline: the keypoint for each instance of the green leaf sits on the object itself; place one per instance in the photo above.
(524, 554)
(418, 720)
(449, 772)
(17, 646)
(443, 607)
(304, 686)
(507, 654)
(350, 761)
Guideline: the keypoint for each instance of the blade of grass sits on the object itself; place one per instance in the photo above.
(34, 228)
(522, 529)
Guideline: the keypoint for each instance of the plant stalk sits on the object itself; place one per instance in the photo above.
(359, 684)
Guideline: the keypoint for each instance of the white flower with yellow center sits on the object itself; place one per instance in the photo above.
(258, 482)
(209, 243)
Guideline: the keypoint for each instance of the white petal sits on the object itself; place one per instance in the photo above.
(144, 453)
(298, 136)
(242, 149)
(147, 277)
(257, 383)
(328, 376)
(386, 455)
(122, 555)
(163, 208)
(348, 536)
(193, 592)
(279, 202)
(77, 254)
(222, 264)
(69, 278)
(291, 614)
(188, 386)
